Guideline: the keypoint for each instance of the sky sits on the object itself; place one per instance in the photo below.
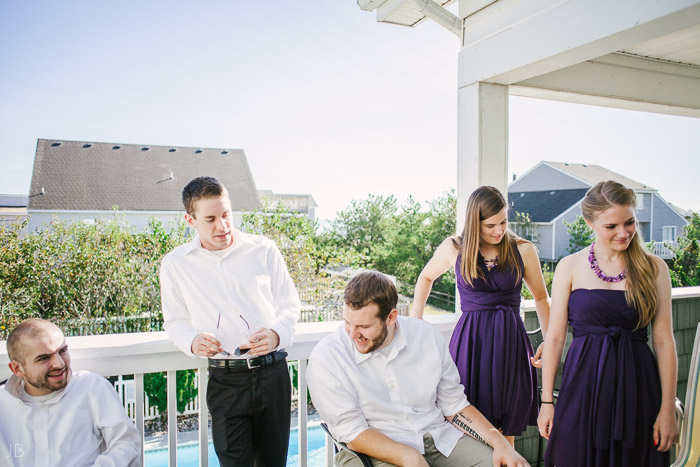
(322, 98)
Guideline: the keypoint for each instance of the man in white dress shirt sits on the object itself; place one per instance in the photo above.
(228, 296)
(387, 387)
(51, 416)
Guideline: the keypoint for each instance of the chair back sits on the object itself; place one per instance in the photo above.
(689, 452)
(364, 459)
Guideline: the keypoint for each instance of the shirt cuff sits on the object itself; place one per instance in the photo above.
(455, 408)
(284, 339)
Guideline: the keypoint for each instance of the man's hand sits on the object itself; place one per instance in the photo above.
(205, 345)
(504, 454)
(262, 342)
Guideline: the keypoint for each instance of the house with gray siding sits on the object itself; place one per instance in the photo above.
(85, 181)
(551, 193)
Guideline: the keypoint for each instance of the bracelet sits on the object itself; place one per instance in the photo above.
(550, 402)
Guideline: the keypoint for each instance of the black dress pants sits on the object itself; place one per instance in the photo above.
(250, 415)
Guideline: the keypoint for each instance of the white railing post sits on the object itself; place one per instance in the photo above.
(203, 378)
(172, 418)
(302, 411)
(330, 451)
(138, 409)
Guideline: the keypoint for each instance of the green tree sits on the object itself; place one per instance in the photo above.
(685, 267)
(362, 226)
(397, 240)
(580, 235)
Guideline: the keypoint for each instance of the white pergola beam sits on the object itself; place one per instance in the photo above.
(515, 40)
(621, 81)
(482, 141)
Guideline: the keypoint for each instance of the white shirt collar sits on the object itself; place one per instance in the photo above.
(239, 238)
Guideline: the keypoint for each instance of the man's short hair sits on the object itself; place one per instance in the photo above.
(371, 287)
(26, 330)
(199, 188)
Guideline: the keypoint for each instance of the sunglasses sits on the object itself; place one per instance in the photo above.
(238, 350)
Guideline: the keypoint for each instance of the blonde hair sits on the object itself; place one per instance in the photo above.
(484, 202)
(640, 289)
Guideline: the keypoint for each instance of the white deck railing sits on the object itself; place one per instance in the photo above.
(150, 352)
(664, 250)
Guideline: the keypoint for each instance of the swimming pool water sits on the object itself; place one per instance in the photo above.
(188, 455)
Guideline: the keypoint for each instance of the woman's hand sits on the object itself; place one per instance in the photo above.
(536, 361)
(544, 420)
(665, 430)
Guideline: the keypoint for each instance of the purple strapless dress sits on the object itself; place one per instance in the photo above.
(610, 391)
(492, 351)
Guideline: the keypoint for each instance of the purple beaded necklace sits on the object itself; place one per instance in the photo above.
(601, 274)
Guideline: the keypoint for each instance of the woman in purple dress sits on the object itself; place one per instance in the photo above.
(489, 344)
(615, 405)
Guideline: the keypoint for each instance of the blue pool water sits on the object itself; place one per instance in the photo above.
(188, 455)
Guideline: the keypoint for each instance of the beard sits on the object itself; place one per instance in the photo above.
(377, 342)
(45, 384)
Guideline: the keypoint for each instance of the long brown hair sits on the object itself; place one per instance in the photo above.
(484, 202)
(640, 289)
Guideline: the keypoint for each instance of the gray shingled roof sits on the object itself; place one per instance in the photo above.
(543, 206)
(591, 173)
(80, 175)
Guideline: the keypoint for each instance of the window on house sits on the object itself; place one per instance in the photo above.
(525, 230)
(640, 201)
(668, 234)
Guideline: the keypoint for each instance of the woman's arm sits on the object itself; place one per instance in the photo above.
(665, 427)
(534, 280)
(443, 259)
(556, 338)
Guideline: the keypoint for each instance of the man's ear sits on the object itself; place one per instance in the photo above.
(189, 219)
(16, 369)
(391, 319)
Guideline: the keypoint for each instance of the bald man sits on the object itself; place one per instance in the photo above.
(52, 416)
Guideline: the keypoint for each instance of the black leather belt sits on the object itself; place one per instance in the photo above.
(248, 363)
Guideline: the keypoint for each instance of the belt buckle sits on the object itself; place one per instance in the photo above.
(250, 367)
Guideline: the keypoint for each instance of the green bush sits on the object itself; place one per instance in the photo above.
(83, 277)
(685, 266)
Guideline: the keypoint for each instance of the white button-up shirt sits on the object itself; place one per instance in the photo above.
(82, 425)
(403, 395)
(249, 280)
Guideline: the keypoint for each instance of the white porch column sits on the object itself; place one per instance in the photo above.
(482, 141)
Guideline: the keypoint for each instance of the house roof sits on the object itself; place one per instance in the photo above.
(592, 174)
(81, 175)
(543, 206)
